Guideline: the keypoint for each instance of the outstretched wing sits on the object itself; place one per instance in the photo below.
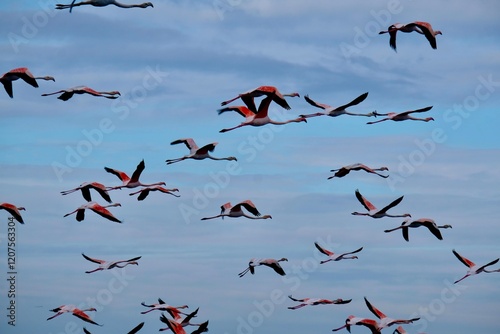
(92, 259)
(189, 142)
(375, 310)
(357, 100)
(316, 104)
(367, 204)
(323, 250)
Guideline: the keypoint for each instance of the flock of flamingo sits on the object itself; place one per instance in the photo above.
(253, 117)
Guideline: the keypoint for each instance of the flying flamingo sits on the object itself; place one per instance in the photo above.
(316, 301)
(68, 93)
(373, 211)
(134, 180)
(97, 208)
(334, 112)
(85, 188)
(427, 222)
(13, 210)
(473, 268)
(162, 306)
(132, 331)
(343, 171)
(20, 73)
(272, 263)
(76, 312)
(195, 152)
(336, 257)
(385, 321)
(373, 325)
(178, 323)
(268, 91)
(423, 28)
(144, 192)
(258, 118)
(105, 265)
(403, 116)
(102, 3)
(227, 210)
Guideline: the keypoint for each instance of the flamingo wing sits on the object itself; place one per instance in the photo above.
(103, 212)
(367, 204)
(13, 210)
(7, 84)
(392, 204)
(101, 189)
(357, 100)
(207, 148)
(92, 259)
(414, 111)
(249, 206)
(189, 142)
(323, 250)
(80, 214)
(464, 260)
(137, 173)
(487, 265)
(143, 194)
(353, 252)
(203, 327)
(316, 104)
(86, 331)
(82, 315)
(121, 175)
(136, 328)
(426, 28)
(375, 310)
(242, 110)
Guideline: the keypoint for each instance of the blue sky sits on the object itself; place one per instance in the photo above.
(173, 65)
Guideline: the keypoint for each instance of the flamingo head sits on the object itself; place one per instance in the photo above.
(294, 94)
(146, 4)
(21, 208)
(429, 119)
(91, 309)
(283, 259)
(446, 226)
(266, 217)
(302, 118)
(437, 32)
(115, 92)
(183, 306)
(384, 168)
(48, 78)
(232, 159)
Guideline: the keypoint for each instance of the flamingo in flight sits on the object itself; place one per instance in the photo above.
(85, 189)
(272, 263)
(268, 91)
(102, 3)
(336, 257)
(316, 301)
(385, 321)
(20, 73)
(131, 182)
(427, 222)
(373, 211)
(13, 211)
(75, 311)
(195, 152)
(144, 192)
(68, 93)
(403, 116)
(343, 171)
(351, 320)
(228, 210)
(177, 323)
(106, 265)
(162, 306)
(423, 28)
(473, 268)
(132, 331)
(334, 112)
(258, 118)
(97, 208)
